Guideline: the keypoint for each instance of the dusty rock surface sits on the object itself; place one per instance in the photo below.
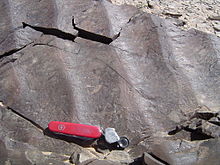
(154, 83)
(198, 14)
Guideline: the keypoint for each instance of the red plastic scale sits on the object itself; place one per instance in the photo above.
(75, 129)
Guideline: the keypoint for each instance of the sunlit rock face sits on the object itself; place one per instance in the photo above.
(147, 83)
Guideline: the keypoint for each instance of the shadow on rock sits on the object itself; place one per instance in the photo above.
(84, 142)
(52, 31)
(98, 144)
(101, 145)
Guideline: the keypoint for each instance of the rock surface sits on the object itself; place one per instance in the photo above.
(151, 79)
(120, 156)
(201, 15)
(99, 162)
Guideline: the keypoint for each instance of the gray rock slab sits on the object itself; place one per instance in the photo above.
(142, 84)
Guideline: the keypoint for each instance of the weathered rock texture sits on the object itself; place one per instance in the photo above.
(198, 14)
(146, 83)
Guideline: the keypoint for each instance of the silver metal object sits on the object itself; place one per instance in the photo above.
(123, 142)
(111, 136)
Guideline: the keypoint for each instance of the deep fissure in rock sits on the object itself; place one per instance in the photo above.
(137, 161)
(8, 61)
(52, 31)
(63, 35)
(68, 36)
(205, 115)
(6, 54)
(22, 116)
(93, 36)
(25, 118)
(198, 135)
(215, 122)
(9, 53)
(175, 131)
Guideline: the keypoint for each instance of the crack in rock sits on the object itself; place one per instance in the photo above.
(22, 116)
(11, 52)
(52, 31)
(93, 36)
(68, 36)
(8, 61)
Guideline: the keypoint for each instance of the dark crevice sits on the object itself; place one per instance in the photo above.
(159, 159)
(175, 131)
(24, 117)
(93, 36)
(137, 161)
(52, 31)
(198, 135)
(11, 52)
(149, 5)
(8, 61)
(204, 115)
(6, 54)
(215, 122)
(68, 36)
